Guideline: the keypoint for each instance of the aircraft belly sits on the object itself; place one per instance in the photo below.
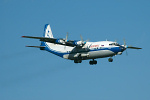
(89, 55)
(100, 54)
(76, 56)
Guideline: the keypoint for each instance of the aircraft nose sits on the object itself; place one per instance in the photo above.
(122, 48)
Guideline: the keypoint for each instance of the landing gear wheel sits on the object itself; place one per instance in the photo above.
(91, 62)
(77, 61)
(94, 62)
(110, 60)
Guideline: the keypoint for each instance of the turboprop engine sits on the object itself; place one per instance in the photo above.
(79, 43)
(60, 41)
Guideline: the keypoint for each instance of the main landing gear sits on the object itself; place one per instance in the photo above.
(77, 61)
(93, 62)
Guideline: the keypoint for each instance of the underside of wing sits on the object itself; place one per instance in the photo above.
(55, 41)
(44, 39)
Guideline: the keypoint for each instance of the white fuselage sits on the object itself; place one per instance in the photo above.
(91, 50)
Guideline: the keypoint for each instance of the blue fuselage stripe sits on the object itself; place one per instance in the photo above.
(113, 49)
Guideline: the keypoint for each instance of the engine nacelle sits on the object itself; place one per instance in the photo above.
(119, 53)
(60, 41)
(79, 43)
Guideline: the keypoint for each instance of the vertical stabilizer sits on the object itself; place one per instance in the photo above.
(48, 31)
(51, 47)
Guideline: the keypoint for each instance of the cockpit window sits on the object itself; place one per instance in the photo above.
(116, 44)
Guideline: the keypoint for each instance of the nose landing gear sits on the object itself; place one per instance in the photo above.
(110, 60)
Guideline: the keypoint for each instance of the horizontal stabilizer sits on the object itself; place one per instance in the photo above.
(41, 47)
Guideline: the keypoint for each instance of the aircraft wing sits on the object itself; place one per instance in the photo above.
(65, 42)
(45, 39)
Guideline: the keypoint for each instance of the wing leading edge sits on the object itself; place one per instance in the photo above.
(44, 39)
(56, 41)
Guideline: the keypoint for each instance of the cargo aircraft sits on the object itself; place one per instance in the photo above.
(79, 50)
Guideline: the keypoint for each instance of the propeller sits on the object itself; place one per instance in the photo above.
(124, 42)
(130, 47)
(81, 37)
(83, 42)
(66, 40)
(125, 46)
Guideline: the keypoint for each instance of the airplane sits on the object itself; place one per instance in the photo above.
(79, 50)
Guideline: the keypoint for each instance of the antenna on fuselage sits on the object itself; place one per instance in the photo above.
(107, 40)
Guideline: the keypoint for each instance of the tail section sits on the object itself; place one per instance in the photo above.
(48, 31)
(48, 46)
(51, 47)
